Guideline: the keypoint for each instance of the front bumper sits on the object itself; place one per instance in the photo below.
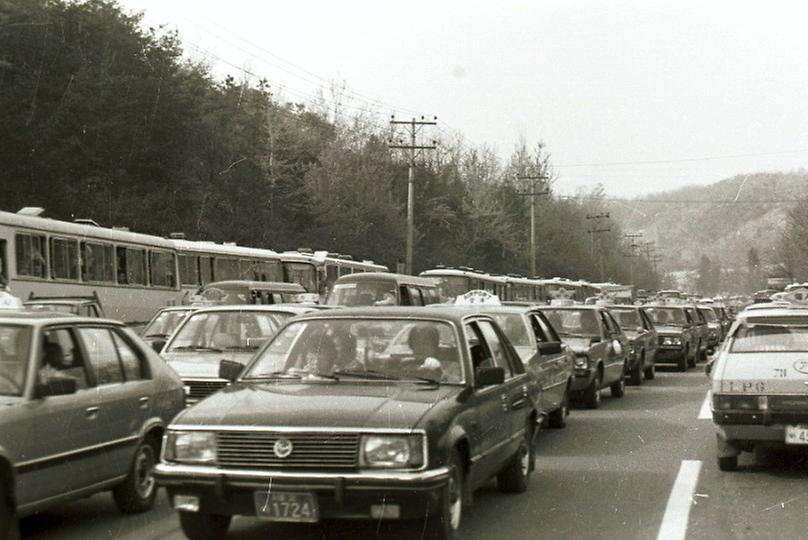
(583, 378)
(339, 495)
(667, 353)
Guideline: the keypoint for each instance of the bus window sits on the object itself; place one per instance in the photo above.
(189, 270)
(30, 252)
(205, 270)
(131, 266)
(3, 264)
(303, 273)
(225, 268)
(162, 269)
(64, 258)
(269, 271)
(97, 262)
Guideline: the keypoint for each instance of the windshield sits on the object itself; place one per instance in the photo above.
(226, 331)
(237, 294)
(770, 338)
(452, 286)
(364, 293)
(515, 327)
(709, 314)
(572, 322)
(58, 308)
(628, 319)
(15, 345)
(368, 349)
(666, 315)
(165, 323)
(303, 273)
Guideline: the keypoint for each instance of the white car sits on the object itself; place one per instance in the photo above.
(760, 383)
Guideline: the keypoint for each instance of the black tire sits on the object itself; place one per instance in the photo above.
(650, 372)
(197, 526)
(444, 522)
(592, 393)
(684, 360)
(513, 477)
(9, 529)
(729, 463)
(703, 355)
(558, 418)
(691, 361)
(618, 388)
(635, 377)
(137, 492)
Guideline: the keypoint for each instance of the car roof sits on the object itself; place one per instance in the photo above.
(387, 276)
(482, 308)
(449, 314)
(775, 312)
(588, 307)
(270, 308)
(17, 316)
(261, 285)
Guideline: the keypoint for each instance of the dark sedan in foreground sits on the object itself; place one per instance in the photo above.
(365, 413)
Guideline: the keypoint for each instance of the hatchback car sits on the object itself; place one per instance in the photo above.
(210, 334)
(85, 403)
(760, 384)
(600, 346)
(366, 413)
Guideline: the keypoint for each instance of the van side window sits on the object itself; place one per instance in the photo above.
(415, 296)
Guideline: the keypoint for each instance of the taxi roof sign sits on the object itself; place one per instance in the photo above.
(478, 297)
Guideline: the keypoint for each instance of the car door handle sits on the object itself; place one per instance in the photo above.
(518, 403)
(92, 412)
(144, 402)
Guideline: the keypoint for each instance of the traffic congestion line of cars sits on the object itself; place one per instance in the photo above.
(376, 412)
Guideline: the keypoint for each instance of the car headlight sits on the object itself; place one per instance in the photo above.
(392, 451)
(581, 361)
(671, 340)
(190, 447)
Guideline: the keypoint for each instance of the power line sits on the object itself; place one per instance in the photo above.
(681, 160)
(678, 201)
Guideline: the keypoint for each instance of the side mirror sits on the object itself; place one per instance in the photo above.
(230, 370)
(489, 376)
(640, 330)
(595, 339)
(56, 385)
(157, 345)
(550, 347)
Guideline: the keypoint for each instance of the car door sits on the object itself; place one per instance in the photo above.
(554, 377)
(614, 352)
(490, 426)
(121, 404)
(651, 340)
(62, 431)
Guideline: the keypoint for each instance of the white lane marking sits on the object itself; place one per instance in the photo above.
(705, 413)
(677, 512)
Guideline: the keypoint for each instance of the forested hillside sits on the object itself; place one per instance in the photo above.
(105, 120)
(722, 221)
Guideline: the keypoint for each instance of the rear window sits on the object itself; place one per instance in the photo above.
(761, 338)
(364, 293)
(573, 323)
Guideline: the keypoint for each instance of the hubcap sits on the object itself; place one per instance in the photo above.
(455, 500)
(144, 479)
(525, 461)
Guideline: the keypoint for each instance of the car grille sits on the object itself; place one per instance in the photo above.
(198, 390)
(249, 449)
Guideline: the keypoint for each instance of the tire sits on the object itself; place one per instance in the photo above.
(635, 377)
(650, 372)
(197, 526)
(9, 529)
(703, 355)
(618, 388)
(684, 360)
(444, 524)
(592, 393)
(137, 492)
(691, 362)
(729, 463)
(558, 418)
(514, 476)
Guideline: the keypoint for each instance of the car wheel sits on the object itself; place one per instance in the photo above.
(137, 492)
(729, 463)
(8, 519)
(618, 388)
(592, 393)
(558, 418)
(445, 523)
(199, 526)
(650, 372)
(635, 377)
(703, 355)
(514, 476)
(684, 360)
(691, 361)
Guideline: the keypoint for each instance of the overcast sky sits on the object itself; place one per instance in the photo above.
(640, 96)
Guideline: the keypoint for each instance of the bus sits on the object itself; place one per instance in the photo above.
(322, 268)
(134, 274)
(335, 265)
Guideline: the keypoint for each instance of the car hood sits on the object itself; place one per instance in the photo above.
(663, 329)
(202, 364)
(762, 373)
(10, 401)
(328, 404)
(578, 344)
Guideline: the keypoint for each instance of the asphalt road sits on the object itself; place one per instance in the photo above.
(639, 467)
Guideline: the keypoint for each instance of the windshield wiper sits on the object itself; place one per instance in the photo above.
(156, 335)
(426, 380)
(276, 375)
(241, 348)
(369, 374)
(196, 348)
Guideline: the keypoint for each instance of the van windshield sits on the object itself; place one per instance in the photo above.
(364, 293)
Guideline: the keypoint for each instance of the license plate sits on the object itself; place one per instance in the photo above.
(286, 506)
(796, 434)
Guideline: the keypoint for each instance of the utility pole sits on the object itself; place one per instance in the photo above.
(413, 126)
(632, 237)
(533, 194)
(597, 228)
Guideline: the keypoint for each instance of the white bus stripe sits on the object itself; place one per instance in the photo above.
(705, 413)
(677, 512)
